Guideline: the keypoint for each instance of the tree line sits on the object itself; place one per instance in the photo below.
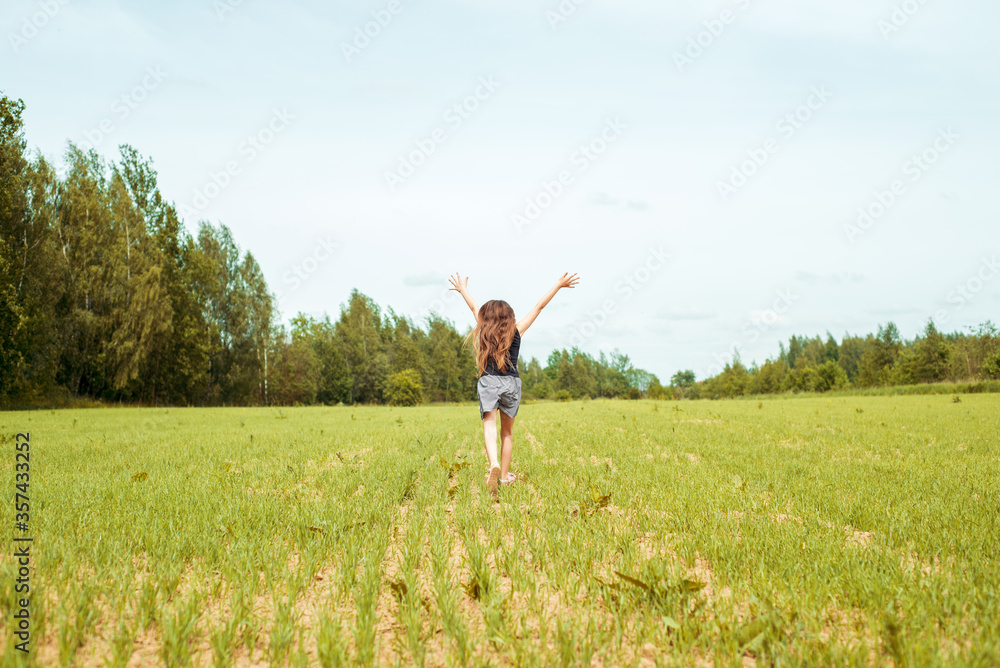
(881, 359)
(105, 295)
(373, 356)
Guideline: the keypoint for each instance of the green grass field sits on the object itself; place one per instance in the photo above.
(852, 530)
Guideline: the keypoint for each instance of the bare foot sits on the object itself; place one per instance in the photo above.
(491, 482)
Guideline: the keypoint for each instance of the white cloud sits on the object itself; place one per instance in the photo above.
(423, 280)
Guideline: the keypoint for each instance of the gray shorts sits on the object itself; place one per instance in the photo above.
(499, 391)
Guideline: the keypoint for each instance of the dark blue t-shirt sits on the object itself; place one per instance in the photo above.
(515, 348)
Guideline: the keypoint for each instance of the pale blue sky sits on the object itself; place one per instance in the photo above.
(771, 260)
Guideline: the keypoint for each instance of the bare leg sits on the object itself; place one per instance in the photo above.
(506, 444)
(490, 435)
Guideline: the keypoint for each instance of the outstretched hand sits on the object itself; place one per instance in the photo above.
(568, 281)
(461, 286)
(565, 281)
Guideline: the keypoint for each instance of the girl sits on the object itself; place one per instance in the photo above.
(496, 342)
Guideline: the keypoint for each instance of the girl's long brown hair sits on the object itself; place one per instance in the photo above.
(494, 334)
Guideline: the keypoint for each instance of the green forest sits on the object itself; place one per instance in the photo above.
(105, 295)
(877, 360)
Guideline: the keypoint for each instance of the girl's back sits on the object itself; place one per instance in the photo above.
(497, 344)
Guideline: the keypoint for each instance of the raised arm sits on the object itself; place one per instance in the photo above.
(461, 286)
(566, 281)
